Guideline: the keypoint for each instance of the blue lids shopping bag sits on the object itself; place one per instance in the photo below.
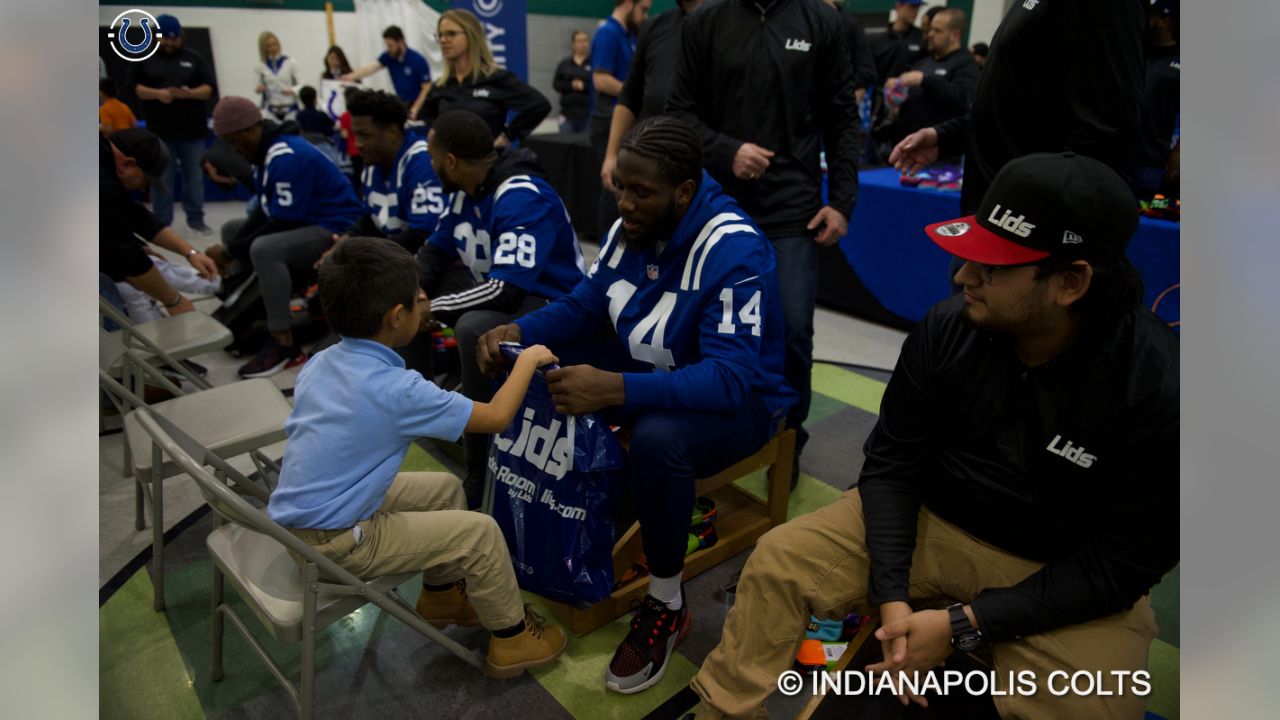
(552, 478)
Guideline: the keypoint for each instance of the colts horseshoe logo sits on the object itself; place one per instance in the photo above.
(118, 35)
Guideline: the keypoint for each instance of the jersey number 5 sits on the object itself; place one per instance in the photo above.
(284, 196)
(653, 325)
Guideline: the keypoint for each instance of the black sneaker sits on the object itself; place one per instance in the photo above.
(641, 659)
(273, 358)
(201, 228)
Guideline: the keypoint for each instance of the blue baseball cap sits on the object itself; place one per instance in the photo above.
(169, 26)
(912, 2)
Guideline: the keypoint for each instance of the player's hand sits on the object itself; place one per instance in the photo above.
(216, 176)
(488, 355)
(911, 78)
(927, 636)
(579, 389)
(184, 306)
(538, 355)
(204, 265)
(428, 323)
(606, 173)
(915, 151)
(833, 223)
(751, 161)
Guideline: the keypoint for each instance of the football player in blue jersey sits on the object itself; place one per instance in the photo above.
(303, 200)
(506, 223)
(402, 196)
(690, 285)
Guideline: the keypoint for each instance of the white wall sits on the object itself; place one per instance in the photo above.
(987, 15)
(234, 35)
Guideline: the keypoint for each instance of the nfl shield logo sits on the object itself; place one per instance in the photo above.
(651, 271)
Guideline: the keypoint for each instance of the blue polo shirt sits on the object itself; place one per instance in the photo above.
(611, 51)
(408, 74)
(356, 409)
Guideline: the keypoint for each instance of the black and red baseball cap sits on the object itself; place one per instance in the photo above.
(1045, 205)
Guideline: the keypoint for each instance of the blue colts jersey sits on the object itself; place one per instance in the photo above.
(704, 311)
(297, 182)
(520, 234)
(409, 196)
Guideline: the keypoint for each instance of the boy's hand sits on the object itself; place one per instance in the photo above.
(488, 355)
(539, 355)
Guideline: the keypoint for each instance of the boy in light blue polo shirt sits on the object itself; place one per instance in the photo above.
(356, 409)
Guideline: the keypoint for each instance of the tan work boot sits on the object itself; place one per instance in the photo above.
(537, 645)
(447, 607)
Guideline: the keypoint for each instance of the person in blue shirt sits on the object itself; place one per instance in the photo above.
(690, 286)
(356, 410)
(508, 226)
(611, 49)
(303, 199)
(410, 73)
(403, 198)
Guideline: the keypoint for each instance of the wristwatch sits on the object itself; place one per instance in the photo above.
(192, 252)
(964, 636)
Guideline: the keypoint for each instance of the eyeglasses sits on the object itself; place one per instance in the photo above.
(447, 34)
(990, 272)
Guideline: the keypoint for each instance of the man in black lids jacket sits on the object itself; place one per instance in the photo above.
(940, 85)
(1063, 75)
(768, 85)
(1025, 464)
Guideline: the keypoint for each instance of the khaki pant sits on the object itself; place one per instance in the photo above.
(423, 524)
(818, 564)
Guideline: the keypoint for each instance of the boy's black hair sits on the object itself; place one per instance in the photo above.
(394, 33)
(463, 134)
(670, 142)
(383, 108)
(362, 280)
(107, 87)
(349, 92)
(307, 95)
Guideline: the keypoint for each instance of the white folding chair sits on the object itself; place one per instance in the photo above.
(292, 599)
(234, 419)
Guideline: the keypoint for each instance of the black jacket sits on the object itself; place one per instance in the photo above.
(574, 104)
(654, 64)
(1062, 75)
(778, 76)
(945, 92)
(121, 222)
(864, 65)
(1160, 104)
(491, 98)
(1073, 463)
(895, 52)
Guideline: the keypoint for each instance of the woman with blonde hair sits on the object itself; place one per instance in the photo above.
(474, 81)
(277, 76)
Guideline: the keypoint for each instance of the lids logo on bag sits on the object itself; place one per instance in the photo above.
(1008, 221)
(541, 446)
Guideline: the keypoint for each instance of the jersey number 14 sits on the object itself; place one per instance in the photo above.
(646, 341)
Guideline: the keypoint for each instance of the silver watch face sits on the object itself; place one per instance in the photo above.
(968, 642)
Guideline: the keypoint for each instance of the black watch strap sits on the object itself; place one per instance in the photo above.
(959, 620)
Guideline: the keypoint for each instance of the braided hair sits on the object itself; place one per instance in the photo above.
(671, 143)
(383, 108)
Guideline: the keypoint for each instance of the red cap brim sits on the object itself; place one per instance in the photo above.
(967, 240)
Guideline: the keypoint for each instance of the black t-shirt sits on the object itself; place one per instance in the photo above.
(945, 92)
(123, 223)
(1160, 104)
(894, 52)
(491, 98)
(654, 65)
(1073, 463)
(574, 104)
(180, 119)
(314, 121)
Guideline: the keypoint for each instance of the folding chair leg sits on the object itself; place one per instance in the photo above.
(215, 649)
(139, 512)
(306, 688)
(157, 535)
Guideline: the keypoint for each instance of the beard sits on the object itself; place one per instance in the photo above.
(1027, 313)
(661, 229)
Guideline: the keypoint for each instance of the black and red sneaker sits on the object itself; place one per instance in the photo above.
(641, 659)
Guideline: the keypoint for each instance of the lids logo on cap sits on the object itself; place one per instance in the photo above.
(1070, 238)
(1008, 221)
(955, 229)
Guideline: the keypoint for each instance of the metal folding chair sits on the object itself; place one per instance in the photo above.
(292, 599)
(233, 419)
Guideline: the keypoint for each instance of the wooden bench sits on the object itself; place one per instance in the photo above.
(741, 519)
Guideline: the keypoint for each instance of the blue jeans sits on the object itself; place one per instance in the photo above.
(108, 291)
(186, 153)
(670, 450)
(798, 281)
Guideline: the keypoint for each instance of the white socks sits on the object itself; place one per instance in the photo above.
(667, 590)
